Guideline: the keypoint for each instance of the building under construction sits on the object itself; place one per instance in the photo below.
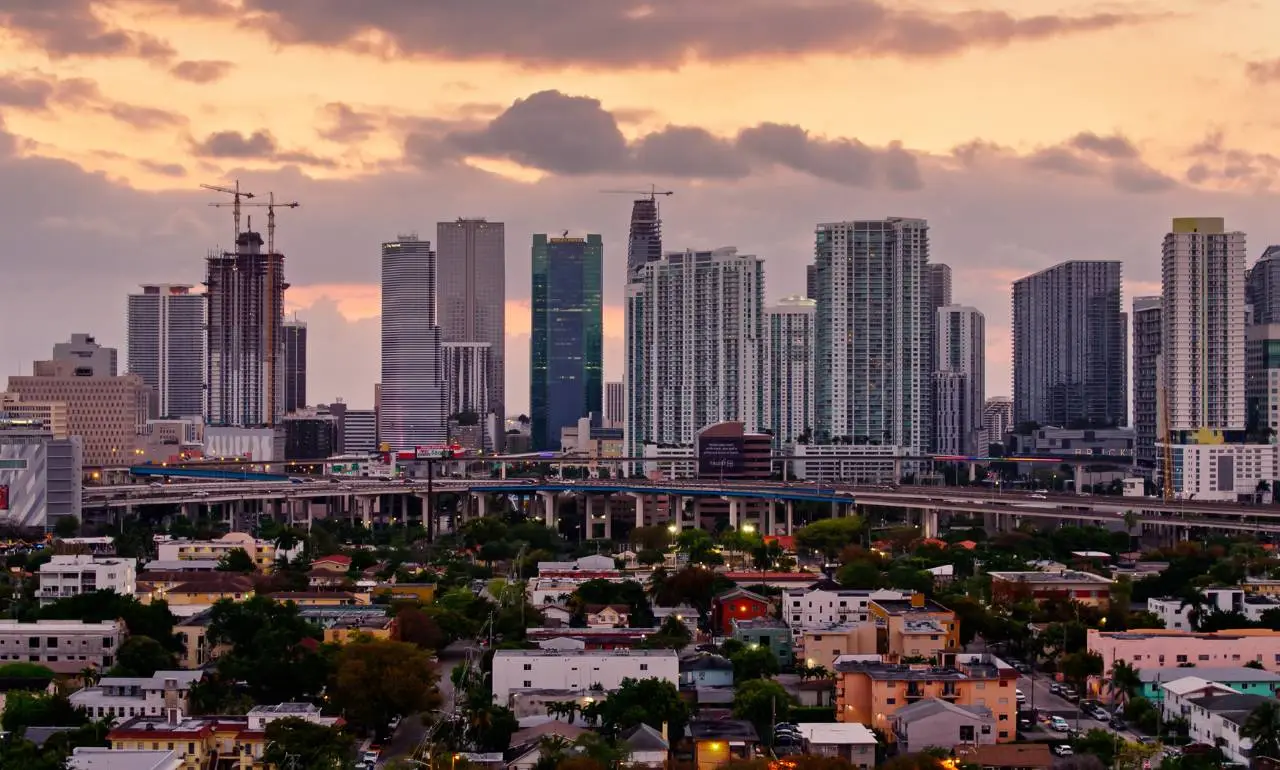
(245, 364)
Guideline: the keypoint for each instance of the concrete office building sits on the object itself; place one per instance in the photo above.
(872, 332)
(360, 431)
(577, 670)
(50, 416)
(64, 646)
(1262, 288)
(471, 270)
(1202, 269)
(413, 411)
(166, 346)
(1070, 347)
(109, 413)
(615, 404)
(295, 366)
(245, 335)
(40, 476)
(1147, 422)
(960, 382)
(694, 328)
(467, 376)
(997, 420)
(567, 335)
(86, 357)
(938, 288)
(789, 340)
(64, 576)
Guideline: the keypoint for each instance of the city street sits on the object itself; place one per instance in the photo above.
(1038, 696)
(413, 729)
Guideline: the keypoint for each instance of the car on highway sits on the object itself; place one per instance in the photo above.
(1061, 750)
(199, 493)
(1039, 496)
(1059, 724)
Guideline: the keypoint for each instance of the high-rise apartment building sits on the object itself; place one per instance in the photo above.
(997, 420)
(938, 278)
(295, 365)
(1070, 347)
(693, 346)
(960, 382)
(567, 335)
(412, 409)
(1147, 423)
(789, 340)
(166, 346)
(466, 377)
(1202, 270)
(471, 271)
(1262, 288)
(245, 335)
(88, 358)
(872, 361)
(615, 404)
(1262, 382)
(644, 244)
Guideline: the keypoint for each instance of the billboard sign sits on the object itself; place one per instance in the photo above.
(720, 455)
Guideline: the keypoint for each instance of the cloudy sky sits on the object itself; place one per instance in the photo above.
(1027, 132)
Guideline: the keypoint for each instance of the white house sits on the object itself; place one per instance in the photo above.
(806, 608)
(849, 740)
(263, 552)
(646, 747)
(107, 758)
(120, 697)
(64, 576)
(1176, 695)
(1177, 616)
(1216, 721)
(577, 670)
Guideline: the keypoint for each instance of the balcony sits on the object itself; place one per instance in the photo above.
(915, 693)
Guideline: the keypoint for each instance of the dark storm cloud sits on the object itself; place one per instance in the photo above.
(260, 145)
(345, 123)
(38, 91)
(576, 135)
(202, 71)
(67, 28)
(660, 33)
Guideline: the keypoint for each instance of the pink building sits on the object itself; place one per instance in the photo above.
(1158, 648)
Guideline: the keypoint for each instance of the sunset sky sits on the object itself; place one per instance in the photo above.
(1027, 133)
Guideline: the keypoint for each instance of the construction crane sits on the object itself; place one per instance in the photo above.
(236, 193)
(653, 192)
(268, 296)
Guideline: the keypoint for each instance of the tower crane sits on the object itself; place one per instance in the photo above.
(237, 194)
(653, 192)
(269, 296)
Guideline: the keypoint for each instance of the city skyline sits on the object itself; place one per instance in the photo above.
(1095, 124)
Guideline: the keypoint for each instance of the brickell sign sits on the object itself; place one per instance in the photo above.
(720, 455)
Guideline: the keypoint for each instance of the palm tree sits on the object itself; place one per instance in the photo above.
(90, 676)
(1263, 728)
(1124, 682)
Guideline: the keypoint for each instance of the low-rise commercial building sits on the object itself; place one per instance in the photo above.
(165, 695)
(1175, 613)
(577, 670)
(66, 576)
(1223, 472)
(871, 692)
(63, 646)
(180, 589)
(263, 552)
(823, 604)
(848, 463)
(40, 476)
(1156, 648)
(107, 758)
(1061, 585)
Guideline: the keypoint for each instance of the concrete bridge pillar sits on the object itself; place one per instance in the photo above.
(791, 522)
(680, 501)
(365, 506)
(502, 471)
(733, 511)
(589, 516)
(548, 508)
(639, 498)
(973, 472)
(481, 503)
(929, 522)
(772, 518)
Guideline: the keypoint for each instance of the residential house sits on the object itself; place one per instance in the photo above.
(916, 628)
(64, 576)
(1009, 756)
(1156, 648)
(870, 692)
(1253, 681)
(193, 588)
(738, 604)
(526, 744)
(422, 593)
(588, 638)
(1216, 721)
(820, 646)
(329, 572)
(850, 741)
(718, 741)
(1176, 613)
(107, 758)
(346, 631)
(161, 695)
(814, 692)
(769, 633)
(684, 613)
(706, 670)
(646, 746)
(577, 670)
(825, 603)
(607, 615)
(1176, 697)
(1061, 584)
(933, 723)
(322, 598)
(556, 614)
(192, 637)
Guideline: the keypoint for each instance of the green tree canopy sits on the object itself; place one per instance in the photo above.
(753, 663)
(142, 656)
(308, 744)
(153, 620)
(829, 536)
(273, 649)
(376, 680)
(763, 703)
(237, 560)
(650, 701)
(1262, 726)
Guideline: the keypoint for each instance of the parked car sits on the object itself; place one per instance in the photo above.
(1022, 668)
(1062, 750)
(1059, 724)
(1070, 694)
(1118, 724)
(393, 724)
(1055, 689)
(1020, 696)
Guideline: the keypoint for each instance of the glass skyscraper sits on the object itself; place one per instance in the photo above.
(566, 365)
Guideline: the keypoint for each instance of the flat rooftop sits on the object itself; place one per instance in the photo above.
(585, 653)
(911, 672)
(905, 607)
(1049, 578)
